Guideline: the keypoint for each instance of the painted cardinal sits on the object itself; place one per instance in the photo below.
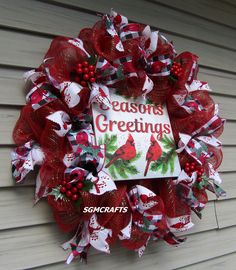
(154, 153)
(126, 152)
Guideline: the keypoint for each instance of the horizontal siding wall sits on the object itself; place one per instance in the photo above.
(29, 238)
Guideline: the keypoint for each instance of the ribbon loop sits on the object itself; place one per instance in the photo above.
(196, 143)
(24, 158)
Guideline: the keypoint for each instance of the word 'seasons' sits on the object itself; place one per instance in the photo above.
(131, 107)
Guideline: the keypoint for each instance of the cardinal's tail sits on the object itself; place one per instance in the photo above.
(147, 167)
(111, 161)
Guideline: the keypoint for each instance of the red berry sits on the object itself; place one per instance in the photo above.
(79, 70)
(199, 179)
(187, 169)
(83, 83)
(63, 183)
(192, 168)
(85, 64)
(192, 164)
(79, 65)
(187, 164)
(202, 170)
(62, 189)
(75, 197)
(68, 193)
(91, 68)
(68, 186)
(92, 80)
(80, 185)
(85, 70)
(74, 190)
(91, 74)
(86, 77)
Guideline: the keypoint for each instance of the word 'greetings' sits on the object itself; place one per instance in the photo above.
(137, 124)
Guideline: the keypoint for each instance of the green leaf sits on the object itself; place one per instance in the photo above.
(156, 166)
(111, 148)
(78, 202)
(87, 185)
(121, 171)
(88, 150)
(113, 139)
(106, 138)
(172, 164)
(57, 194)
(148, 101)
(168, 142)
(92, 60)
(110, 143)
(164, 168)
(111, 170)
(132, 170)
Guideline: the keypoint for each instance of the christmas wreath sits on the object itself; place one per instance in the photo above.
(55, 133)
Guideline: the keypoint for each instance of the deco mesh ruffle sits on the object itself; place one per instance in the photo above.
(54, 135)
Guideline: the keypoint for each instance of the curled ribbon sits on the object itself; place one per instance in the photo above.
(154, 66)
(102, 183)
(24, 158)
(82, 144)
(148, 214)
(186, 101)
(196, 143)
(144, 204)
(184, 185)
(62, 119)
(93, 234)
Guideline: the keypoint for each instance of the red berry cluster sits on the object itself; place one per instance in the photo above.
(176, 69)
(71, 190)
(85, 73)
(192, 167)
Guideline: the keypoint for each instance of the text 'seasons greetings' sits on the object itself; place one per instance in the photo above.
(138, 124)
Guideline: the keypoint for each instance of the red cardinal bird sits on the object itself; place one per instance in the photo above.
(154, 153)
(126, 152)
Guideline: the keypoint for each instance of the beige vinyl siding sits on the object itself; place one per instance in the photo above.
(29, 238)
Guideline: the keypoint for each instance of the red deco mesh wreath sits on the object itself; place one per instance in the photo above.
(55, 134)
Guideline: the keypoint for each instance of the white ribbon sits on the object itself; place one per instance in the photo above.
(102, 183)
(197, 85)
(71, 91)
(63, 120)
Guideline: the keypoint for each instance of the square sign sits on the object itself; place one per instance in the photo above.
(138, 138)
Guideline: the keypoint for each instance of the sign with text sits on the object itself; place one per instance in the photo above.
(138, 138)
